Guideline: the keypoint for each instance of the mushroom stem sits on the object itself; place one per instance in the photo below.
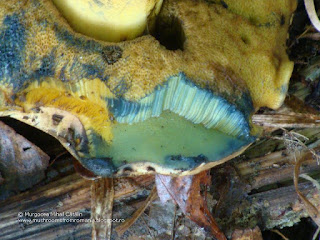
(109, 20)
(310, 8)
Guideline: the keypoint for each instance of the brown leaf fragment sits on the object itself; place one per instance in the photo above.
(22, 164)
(247, 234)
(102, 196)
(187, 194)
(311, 209)
(130, 186)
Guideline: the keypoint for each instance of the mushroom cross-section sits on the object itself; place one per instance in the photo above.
(176, 101)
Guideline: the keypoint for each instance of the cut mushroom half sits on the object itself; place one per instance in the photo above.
(175, 129)
(146, 105)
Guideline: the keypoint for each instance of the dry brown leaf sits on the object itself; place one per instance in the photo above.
(276, 231)
(102, 196)
(310, 208)
(186, 193)
(22, 164)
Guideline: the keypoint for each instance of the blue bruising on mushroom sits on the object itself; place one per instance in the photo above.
(120, 107)
(12, 49)
(186, 163)
(47, 68)
(178, 92)
(183, 163)
(79, 70)
(244, 104)
(101, 4)
(120, 89)
(158, 130)
(88, 46)
(62, 75)
(12, 45)
(92, 71)
(284, 89)
(99, 166)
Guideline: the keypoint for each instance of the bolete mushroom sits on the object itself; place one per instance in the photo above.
(176, 101)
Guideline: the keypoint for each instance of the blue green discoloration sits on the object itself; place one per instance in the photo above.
(91, 71)
(120, 107)
(120, 89)
(130, 112)
(99, 166)
(12, 56)
(89, 46)
(12, 45)
(47, 68)
(186, 163)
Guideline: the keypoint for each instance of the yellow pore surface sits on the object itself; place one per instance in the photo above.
(92, 113)
(109, 20)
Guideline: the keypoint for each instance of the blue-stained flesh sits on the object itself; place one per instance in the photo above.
(184, 98)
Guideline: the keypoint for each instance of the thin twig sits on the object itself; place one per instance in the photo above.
(289, 120)
(316, 234)
(58, 156)
(280, 234)
(128, 223)
(315, 182)
(149, 230)
(310, 208)
(173, 232)
(302, 35)
(293, 143)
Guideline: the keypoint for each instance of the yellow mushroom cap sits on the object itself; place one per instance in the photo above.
(109, 20)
